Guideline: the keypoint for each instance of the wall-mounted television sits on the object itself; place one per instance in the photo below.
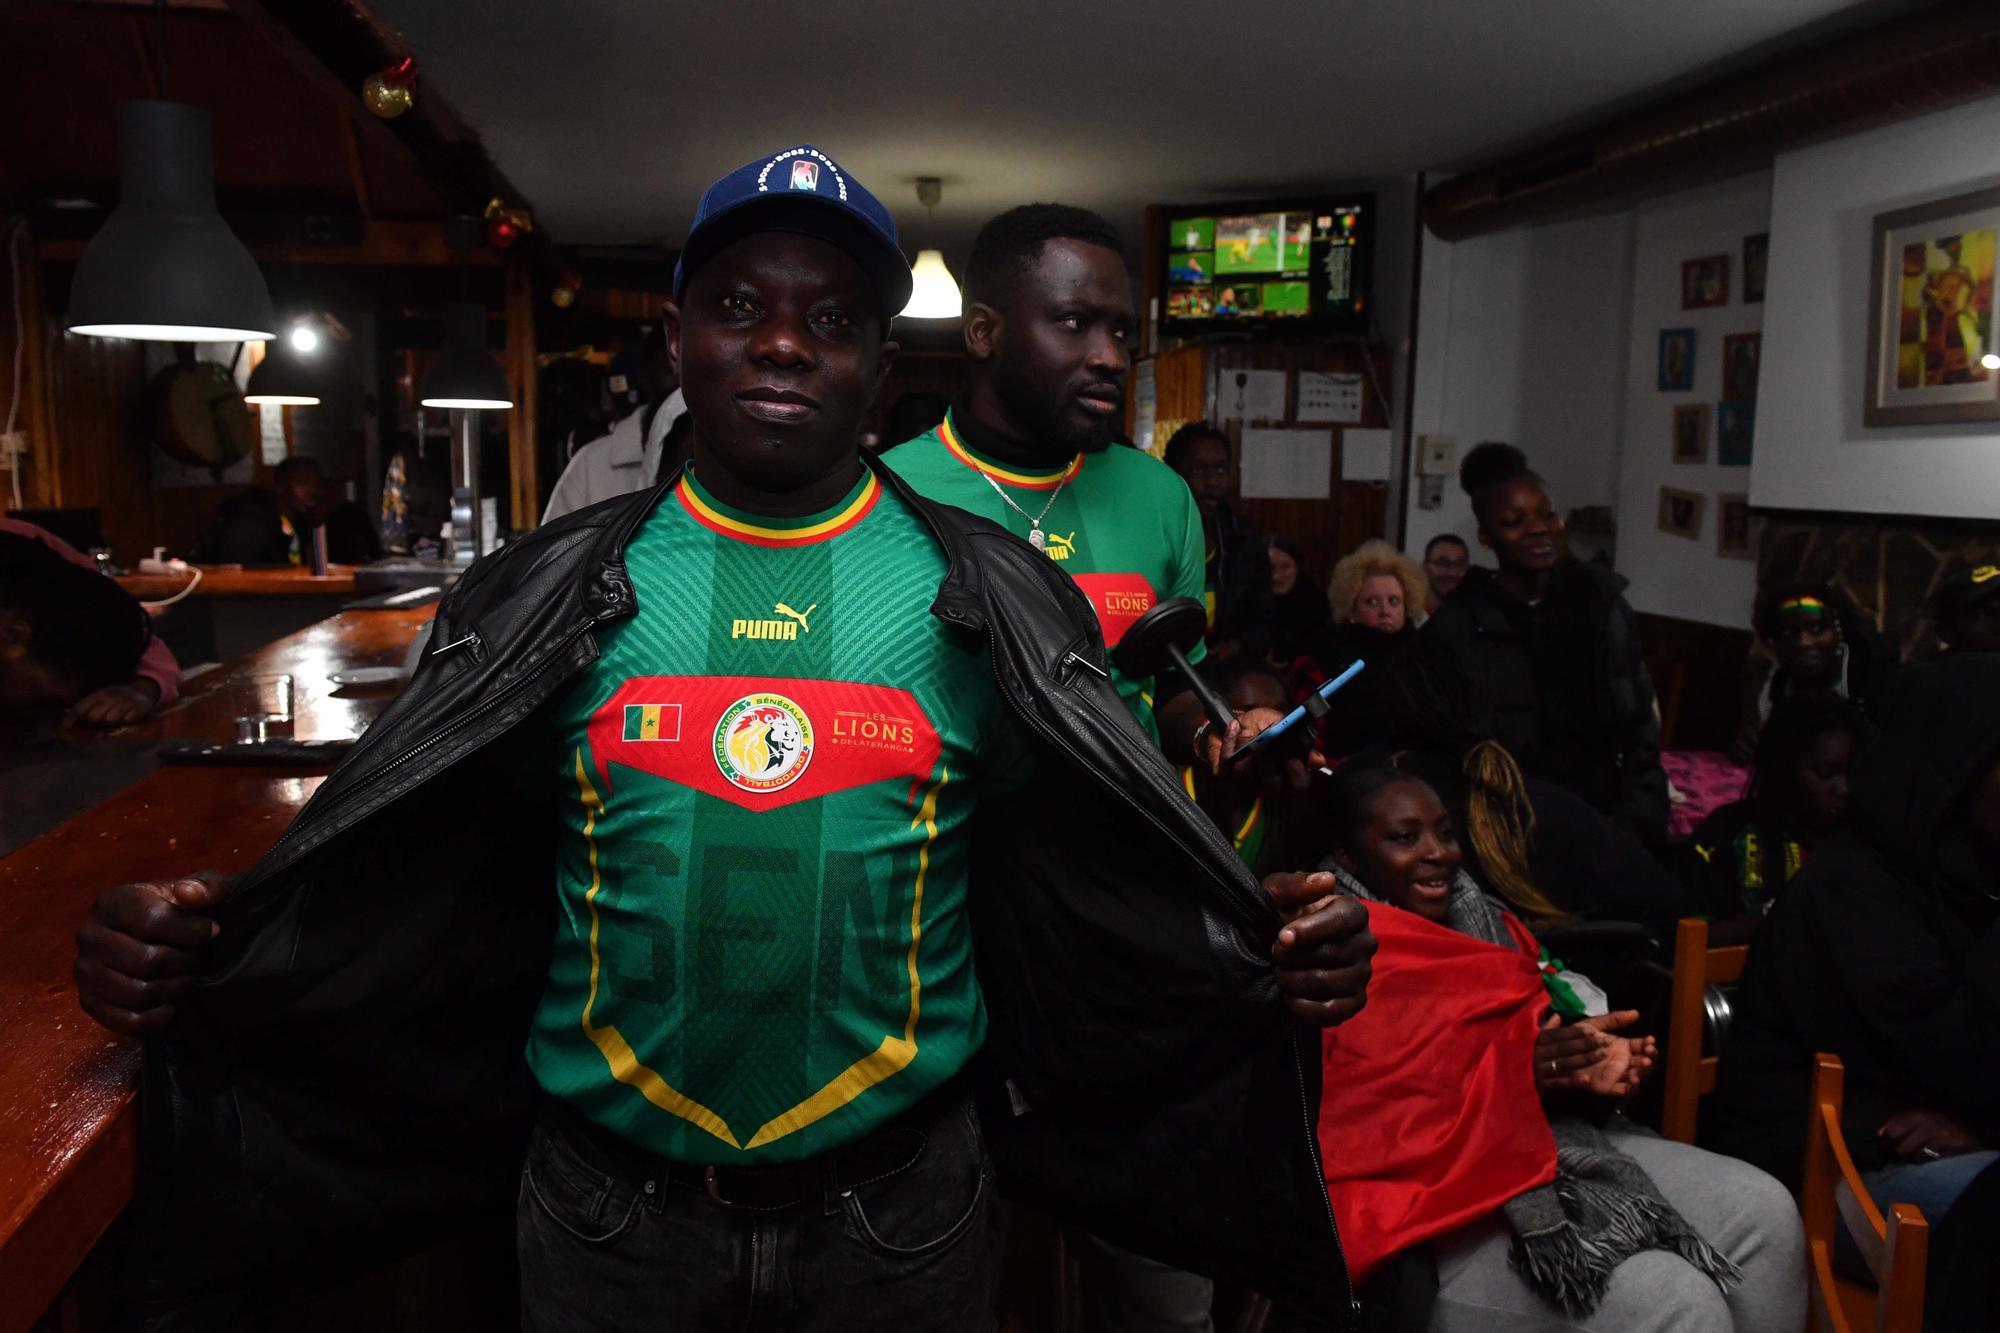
(1287, 267)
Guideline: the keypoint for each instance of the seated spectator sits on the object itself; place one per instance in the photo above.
(1237, 584)
(1372, 594)
(71, 638)
(1446, 558)
(1298, 609)
(1544, 851)
(1622, 1230)
(1885, 951)
(1747, 852)
(1818, 644)
(1968, 609)
(1555, 636)
(274, 527)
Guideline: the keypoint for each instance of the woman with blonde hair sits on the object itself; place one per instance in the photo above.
(1374, 593)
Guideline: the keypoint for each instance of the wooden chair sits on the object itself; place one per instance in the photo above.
(1694, 1007)
(1894, 1249)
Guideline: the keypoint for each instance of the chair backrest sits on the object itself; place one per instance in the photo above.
(1895, 1248)
(1690, 1073)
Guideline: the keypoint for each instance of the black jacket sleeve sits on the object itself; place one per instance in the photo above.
(1642, 782)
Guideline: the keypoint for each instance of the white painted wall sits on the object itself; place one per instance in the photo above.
(1673, 576)
(1812, 450)
(1521, 337)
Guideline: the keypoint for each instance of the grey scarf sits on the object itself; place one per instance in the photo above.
(1602, 1208)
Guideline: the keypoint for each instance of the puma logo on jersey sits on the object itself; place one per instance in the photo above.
(793, 624)
(1060, 547)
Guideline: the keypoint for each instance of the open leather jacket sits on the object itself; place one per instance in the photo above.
(347, 1082)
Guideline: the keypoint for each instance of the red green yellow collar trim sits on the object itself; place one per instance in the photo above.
(1033, 481)
(761, 530)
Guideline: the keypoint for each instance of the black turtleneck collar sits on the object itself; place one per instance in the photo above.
(998, 445)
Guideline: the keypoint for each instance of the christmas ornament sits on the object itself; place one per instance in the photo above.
(505, 225)
(564, 292)
(391, 91)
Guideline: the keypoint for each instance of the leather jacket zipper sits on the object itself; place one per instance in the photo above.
(1298, 1071)
(480, 710)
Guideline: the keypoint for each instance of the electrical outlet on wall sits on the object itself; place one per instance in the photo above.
(13, 444)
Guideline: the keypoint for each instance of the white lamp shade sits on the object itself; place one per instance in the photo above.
(933, 292)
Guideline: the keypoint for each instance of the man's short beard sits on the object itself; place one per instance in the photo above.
(1051, 433)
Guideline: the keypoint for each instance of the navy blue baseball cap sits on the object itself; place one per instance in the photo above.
(800, 190)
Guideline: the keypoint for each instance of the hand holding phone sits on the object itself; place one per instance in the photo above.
(1272, 734)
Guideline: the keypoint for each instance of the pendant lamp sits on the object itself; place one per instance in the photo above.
(165, 266)
(283, 377)
(465, 374)
(933, 293)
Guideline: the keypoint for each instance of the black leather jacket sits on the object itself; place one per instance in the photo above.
(347, 1081)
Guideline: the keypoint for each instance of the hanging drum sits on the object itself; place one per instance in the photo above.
(200, 415)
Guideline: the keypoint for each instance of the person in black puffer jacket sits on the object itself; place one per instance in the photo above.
(1885, 951)
(1558, 641)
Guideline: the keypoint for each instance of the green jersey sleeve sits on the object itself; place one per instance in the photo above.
(1189, 571)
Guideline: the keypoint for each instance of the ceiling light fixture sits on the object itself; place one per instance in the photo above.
(281, 379)
(303, 339)
(165, 266)
(933, 292)
(465, 374)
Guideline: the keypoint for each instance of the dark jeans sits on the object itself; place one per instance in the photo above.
(605, 1243)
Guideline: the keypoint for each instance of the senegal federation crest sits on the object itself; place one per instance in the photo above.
(763, 742)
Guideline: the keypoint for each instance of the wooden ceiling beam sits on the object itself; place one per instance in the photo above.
(337, 44)
(383, 244)
(356, 169)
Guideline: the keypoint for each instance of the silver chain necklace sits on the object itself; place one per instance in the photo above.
(1035, 537)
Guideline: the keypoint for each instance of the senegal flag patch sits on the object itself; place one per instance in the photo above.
(652, 722)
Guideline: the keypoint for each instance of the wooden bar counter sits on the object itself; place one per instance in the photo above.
(243, 581)
(67, 1124)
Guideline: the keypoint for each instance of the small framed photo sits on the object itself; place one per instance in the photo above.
(1691, 433)
(1739, 364)
(1735, 425)
(1732, 527)
(1756, 249)
(1676, 360)
(1705, 282)
(1680, 512)
(1931, 354)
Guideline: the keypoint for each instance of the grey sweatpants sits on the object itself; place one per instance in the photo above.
(1738, 1209)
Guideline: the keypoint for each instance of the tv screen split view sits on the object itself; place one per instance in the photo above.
(1291, 264)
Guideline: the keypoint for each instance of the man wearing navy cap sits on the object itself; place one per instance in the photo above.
(794, 741)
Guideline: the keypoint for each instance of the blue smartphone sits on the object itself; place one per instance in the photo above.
(1274, 733)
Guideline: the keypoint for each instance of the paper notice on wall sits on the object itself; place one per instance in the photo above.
(271, 446)
(1286, 464)
(1329, 397)
(1250, 395)
(1364, 455)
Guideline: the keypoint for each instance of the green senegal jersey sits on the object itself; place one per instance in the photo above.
(763, 951)
(1124, 526)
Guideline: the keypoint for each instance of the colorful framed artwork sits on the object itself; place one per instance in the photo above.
(1735, 425)
(1756, 251)
(1680, 512)
(1691, 433)
(1740, 353)
(1931, 353)
(1676, 360)
(1732, 527)
(1705, 282)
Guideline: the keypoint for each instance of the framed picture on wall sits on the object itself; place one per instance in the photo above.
(1680, 512)
(1740, 352)
(1705, 282)
(1676, 360)
(1931, 354)
(1735, 424)
(1756, 249)
(1691, 433)
(1732, 527)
